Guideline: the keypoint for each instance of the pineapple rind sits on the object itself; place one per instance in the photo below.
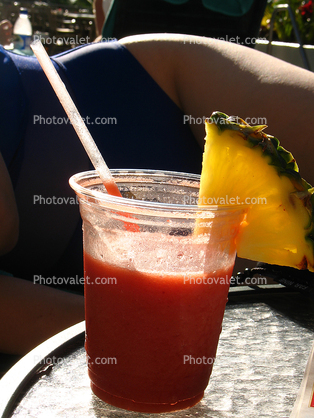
(281, 159)
(296, 241)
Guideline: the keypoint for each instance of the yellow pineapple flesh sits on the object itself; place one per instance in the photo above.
(242, 165)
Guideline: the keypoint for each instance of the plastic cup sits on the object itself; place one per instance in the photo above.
(155, 291)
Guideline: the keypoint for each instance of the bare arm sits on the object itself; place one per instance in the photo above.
(9, 220)
(99, 16)
(31, 313)
(202, 75)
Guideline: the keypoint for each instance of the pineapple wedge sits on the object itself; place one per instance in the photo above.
(243, 165)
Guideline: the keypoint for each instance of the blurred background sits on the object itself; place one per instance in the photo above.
(65, 24)
(67, 20)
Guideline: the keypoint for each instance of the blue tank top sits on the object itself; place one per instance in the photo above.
(134, 123)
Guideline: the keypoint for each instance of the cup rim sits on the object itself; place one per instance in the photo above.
(84, 192)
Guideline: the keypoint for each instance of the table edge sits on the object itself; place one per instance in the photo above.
(18, 376)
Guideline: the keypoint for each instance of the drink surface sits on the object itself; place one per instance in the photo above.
(151, 338)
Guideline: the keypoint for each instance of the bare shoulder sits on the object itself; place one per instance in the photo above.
(200, 58)
(159, 55)
(202, 75)
(192, 67)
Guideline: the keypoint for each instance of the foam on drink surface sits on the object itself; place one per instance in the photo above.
(156, 253)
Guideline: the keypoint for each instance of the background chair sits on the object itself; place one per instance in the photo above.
(240, 19)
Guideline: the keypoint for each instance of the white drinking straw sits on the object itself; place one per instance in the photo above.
(75, 118)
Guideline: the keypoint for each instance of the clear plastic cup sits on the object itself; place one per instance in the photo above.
(155, 290)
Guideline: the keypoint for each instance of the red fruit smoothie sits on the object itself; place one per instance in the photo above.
(151, 339)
